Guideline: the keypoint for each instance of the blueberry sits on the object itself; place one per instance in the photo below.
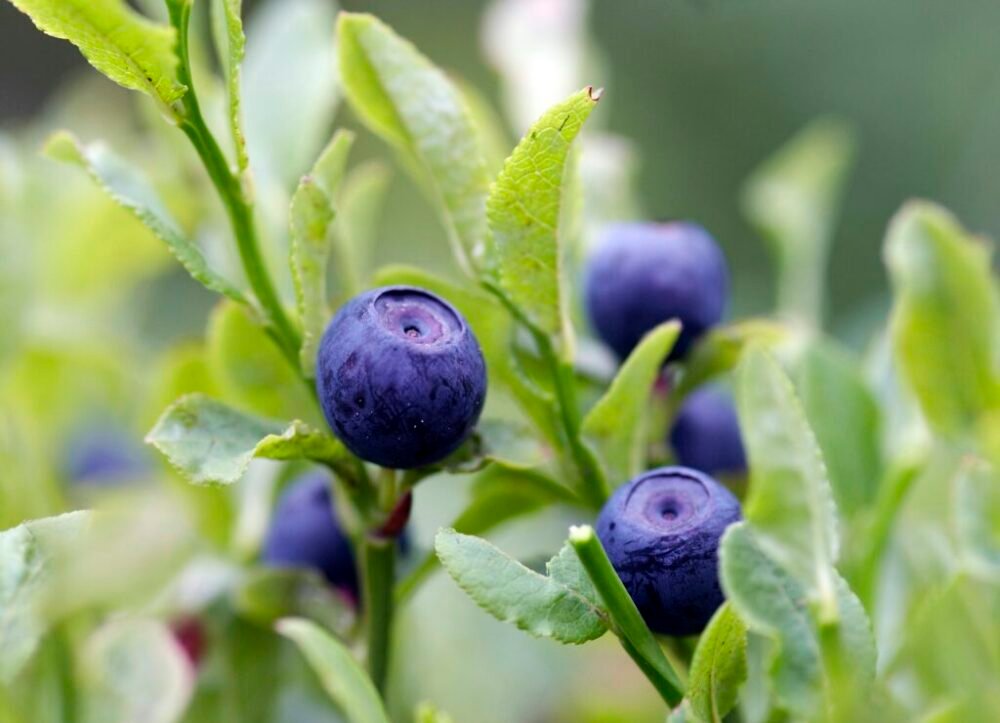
(642, 274)
(104, 457)
(400, 377)
(305, 533)
(706, 433)
(661, 532)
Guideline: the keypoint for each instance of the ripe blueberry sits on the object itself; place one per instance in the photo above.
(661, 532)
(642, 274)
(400, 377)
(304, 533)
(104, 457)
(706, 433)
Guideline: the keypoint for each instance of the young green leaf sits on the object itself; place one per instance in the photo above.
(773, 603)
(230, 43)
(127, 187)
(135, 670)
(719, 666)
(28, 554)
(792, 200)
(401, 96)
(311, 215)
(523, 209)
(620, 444)
(846, 419)
(341, 677)
(210, 443)
(128, 48)
(946, 318)
(790, 504)
(541, 606)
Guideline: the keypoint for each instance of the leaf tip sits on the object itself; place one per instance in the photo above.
(595, 93)
(581, 534)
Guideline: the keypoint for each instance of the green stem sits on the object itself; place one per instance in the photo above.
(627, 622)
(593, 486)
(233, 196)
(379, 574)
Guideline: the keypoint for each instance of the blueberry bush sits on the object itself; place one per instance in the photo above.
(743, 520)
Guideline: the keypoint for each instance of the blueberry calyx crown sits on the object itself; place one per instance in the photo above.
(669, 501)
(416, 317)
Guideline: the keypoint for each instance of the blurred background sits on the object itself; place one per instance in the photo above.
(706, 89)
(102, 329)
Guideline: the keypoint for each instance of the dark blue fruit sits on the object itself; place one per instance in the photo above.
(304, 533)
(400, 377)
(642, 274)
(662, 532)
(706, 433)
(104, 457)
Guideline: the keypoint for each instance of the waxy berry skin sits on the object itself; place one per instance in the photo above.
(400, 377)
(304, 533)
(643, 274)
(662, 532)
(706, 433)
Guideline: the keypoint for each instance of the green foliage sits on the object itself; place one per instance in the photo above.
(546, 607)
(412, 105)
(125, 46)
(524, 212)
(790, 506)
(312, 213)
(719, 666)
(127, 187)
(340, 676)
(210, 443)
(792, 200)
(621, 445)
(230, 42)
(28, 554)
(946, 318)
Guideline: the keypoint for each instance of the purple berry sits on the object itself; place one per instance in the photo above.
(642, 274)
(661, 532)
(706, 433)
(400, 377)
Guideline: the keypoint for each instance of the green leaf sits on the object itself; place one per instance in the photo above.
(565, 568)
(720, 350)
(411, 104)
(524, 209)
(210, 443)
(719, 666)
(311, 215)
(230, 43)
(28, 555)
(792, 200)
(128, 48)
(790, 504)
(135, 671)
(428, 713)
(946, 317)
(617, 423)
(846, 419)
(541, 606)
(773, 603)
(500, 494)
(127, 187)
(977, 518)
(346, 683)
(249, 369)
